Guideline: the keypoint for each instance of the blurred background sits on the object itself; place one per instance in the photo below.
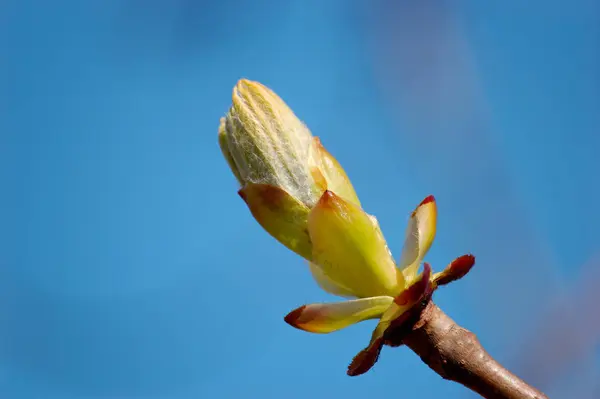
(130, 268)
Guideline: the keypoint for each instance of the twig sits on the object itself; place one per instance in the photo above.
(457, 355)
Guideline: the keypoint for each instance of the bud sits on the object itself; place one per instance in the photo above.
(456, 270)
(299, 193)
(301, 196)
(265, 143)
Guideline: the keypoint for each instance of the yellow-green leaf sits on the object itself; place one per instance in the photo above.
(420, 234)
(281, 215)
(328, 317)
(328, 284)
(350, 249)
(333, 173)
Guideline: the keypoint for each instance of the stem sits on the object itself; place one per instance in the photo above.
(457, 355)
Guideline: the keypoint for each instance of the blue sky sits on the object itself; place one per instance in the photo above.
(130, 268)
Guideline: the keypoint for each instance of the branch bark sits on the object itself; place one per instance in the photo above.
(457, 355)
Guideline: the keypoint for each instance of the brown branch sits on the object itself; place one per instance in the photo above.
(457, 355)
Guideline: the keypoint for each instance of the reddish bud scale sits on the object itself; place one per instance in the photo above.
(416, 290)
(418, 293)
(403, 325)
(365, 359)
(399, 327)
(456, 270)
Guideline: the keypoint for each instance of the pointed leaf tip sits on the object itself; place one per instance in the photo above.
(242, 195)
(427, 200)
(292, 317)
